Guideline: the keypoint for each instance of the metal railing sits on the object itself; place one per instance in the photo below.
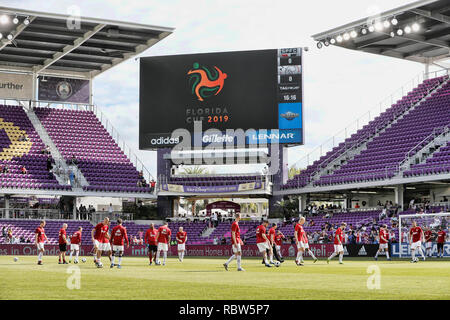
(26, 213)
(364, 119)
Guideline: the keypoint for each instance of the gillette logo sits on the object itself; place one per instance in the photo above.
(167, 140)
(215, 138)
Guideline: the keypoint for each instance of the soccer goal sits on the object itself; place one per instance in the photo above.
(434, 221)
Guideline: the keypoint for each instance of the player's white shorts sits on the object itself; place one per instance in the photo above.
(40, 246)
(97, 243)
(236, 248)
(104, 246)
(428, 245)
(300, 245)
(163, 246)
(181, 246)
(338, 248)
(262, 246)
(278, 248)
(383, 246)
(305, 245)
(416, 245)
(117, 248)
(75, 247)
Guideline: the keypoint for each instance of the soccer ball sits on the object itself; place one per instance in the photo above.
(83, 260)
(277, 263)
(16, 259)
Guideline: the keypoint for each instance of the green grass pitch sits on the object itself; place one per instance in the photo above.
(200, 278)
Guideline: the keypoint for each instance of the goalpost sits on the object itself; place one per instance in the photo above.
(430, 220)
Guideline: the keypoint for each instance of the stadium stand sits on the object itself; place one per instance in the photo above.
(215, 181)
(21, 146)
(80, 133)
(378, 125)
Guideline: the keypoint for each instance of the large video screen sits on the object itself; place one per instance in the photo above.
(260, 90)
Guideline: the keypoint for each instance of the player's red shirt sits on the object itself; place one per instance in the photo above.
(383, 234)
(62, 232)
(164, 234)
(76, 238)
(118, 234)
(299, 230)
(441, 236)
(100, 232)
(237, 232)
(272, 233)
(427, 235)
(150, 236)
(305, 237)
(279, 239)
(259, 234)
(41, 234)
(339, 236)
(416, 233)
(181, 237)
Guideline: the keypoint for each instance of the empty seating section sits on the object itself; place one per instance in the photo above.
(364, 134)
(20, 145)
(437, 164)
(102, 162)
(214, 181)
(385, 152)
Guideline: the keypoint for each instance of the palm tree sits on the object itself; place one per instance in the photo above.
(197, 170)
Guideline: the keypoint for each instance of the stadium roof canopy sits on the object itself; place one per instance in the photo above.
(419, 32)
(57, 44)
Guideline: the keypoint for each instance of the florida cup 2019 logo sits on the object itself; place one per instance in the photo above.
(205, 82)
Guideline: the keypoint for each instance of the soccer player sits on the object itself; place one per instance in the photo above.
(40, 239)
(163, 241)
(107, 244)
(306, 247)
(236, 243)
(298, 234)
(272, 236)
(415, 239)
(75, 242)
(441, 235)
(181, 239)
(98, 234)
(383, 236)
(62, 244)
(263, 243)
(278, 242)
(150, 240)
(338, 246)
(118, 234)
(428, 241)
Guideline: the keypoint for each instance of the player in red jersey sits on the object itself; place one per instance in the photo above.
(62, 244)
(107, 244)
(338, 243)
(181, 240)
(118, 235)
(441, 235)
(298, 234)
(383, 239)
(263, 243)
(75, 242)
(305, 242)
(278, 242)
(415, 239)
(40, 239)
(163, 240)
(428, 234)
(236, 243)
(272, 236)
(98, 234)
(150, 240)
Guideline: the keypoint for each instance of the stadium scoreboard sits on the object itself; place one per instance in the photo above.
(257, 91)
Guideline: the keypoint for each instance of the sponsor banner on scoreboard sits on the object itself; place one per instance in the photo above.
(213, 189)
(16, 86)
(63, 89)
(405, 249)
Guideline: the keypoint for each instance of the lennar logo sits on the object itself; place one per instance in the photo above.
(167, 140)
(204, 82)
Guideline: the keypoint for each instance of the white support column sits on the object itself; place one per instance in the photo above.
(398, 195)
(301, 203)
(74, 210)
(260, 208)
(7, 206)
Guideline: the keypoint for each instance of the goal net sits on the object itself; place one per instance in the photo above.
(432, 221)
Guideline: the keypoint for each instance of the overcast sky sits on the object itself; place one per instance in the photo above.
(340, 85)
